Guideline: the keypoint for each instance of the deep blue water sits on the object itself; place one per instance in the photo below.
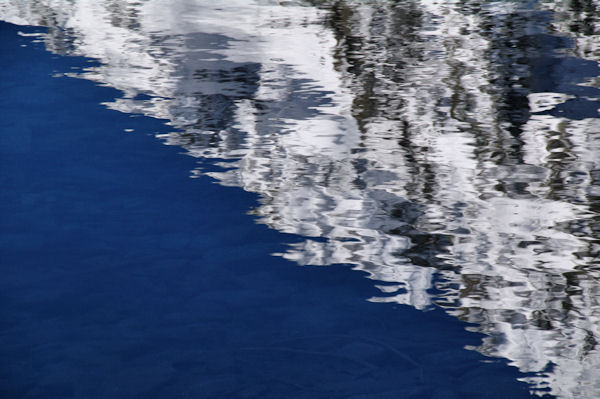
(123, 278)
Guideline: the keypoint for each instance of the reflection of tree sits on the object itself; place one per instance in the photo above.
(404, 139)
(582, 16)
(511, 278)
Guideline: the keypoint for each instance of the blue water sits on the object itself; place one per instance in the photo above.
(124, 278)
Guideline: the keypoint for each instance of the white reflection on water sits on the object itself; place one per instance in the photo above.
(420, 139)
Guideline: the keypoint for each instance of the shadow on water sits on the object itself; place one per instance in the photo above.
(448, 151)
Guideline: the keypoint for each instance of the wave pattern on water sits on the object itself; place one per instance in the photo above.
(450, 150)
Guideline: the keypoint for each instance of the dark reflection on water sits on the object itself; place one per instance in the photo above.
(447, 147)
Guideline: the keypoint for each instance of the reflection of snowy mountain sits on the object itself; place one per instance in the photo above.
(417, 139)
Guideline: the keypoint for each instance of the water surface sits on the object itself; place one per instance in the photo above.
(448, 150)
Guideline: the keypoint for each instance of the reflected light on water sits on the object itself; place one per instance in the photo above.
(447, 145)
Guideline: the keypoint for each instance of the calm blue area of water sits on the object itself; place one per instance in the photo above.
(124, 278)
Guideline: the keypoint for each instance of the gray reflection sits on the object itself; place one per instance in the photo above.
(452, 144)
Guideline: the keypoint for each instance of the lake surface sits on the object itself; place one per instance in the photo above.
(166, 166)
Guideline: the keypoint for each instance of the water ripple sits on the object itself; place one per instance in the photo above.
(447, 149)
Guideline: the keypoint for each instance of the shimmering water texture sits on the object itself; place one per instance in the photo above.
(449, 150)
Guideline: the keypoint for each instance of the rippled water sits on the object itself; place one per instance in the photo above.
(449, 149)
